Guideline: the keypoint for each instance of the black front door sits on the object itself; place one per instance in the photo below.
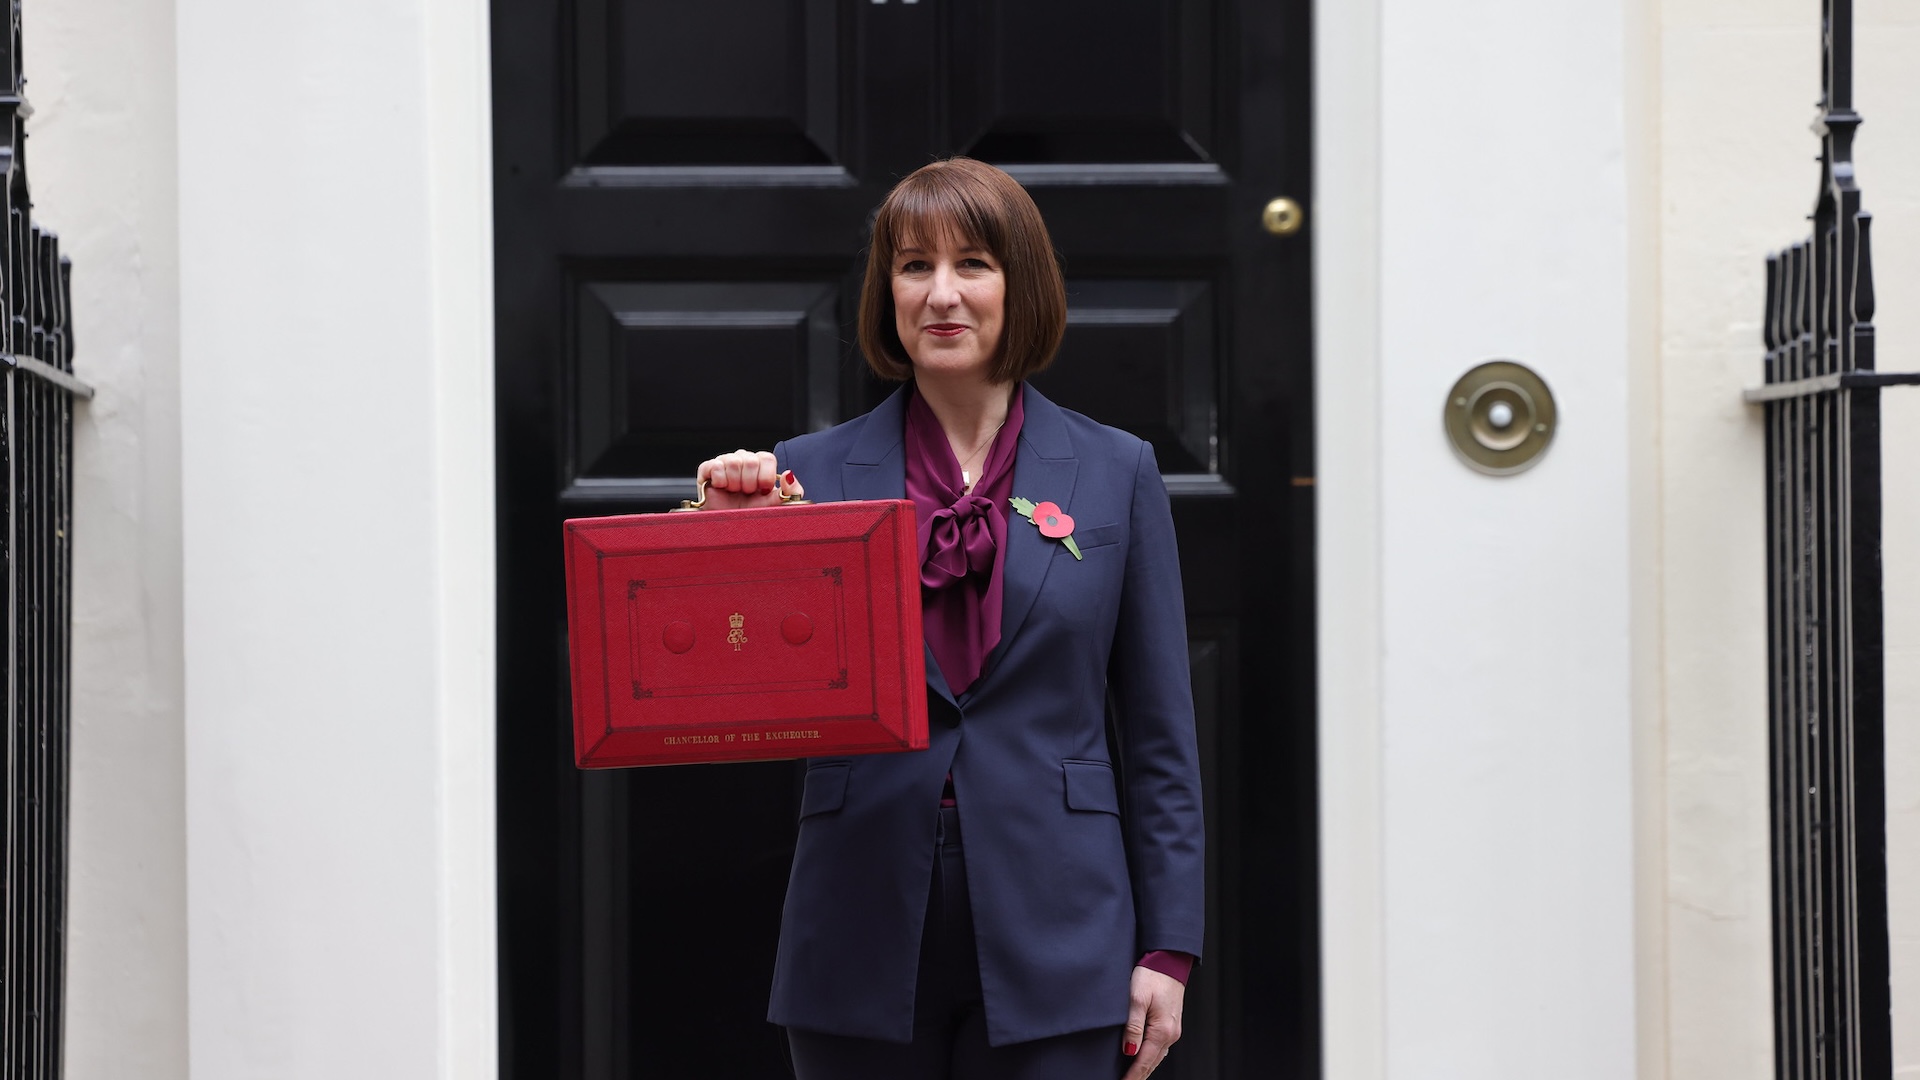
(682, 192)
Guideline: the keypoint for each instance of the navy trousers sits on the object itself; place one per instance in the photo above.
(949, 1023)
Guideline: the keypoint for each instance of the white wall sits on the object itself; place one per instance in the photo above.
(1506, 686)
(1592, 191)
(1887, 91)
(1501, 621)
(1345, 230)
(102, 165)
(336, 398)
(1737, 177)
(1739, 81)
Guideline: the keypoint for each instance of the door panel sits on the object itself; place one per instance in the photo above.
(644, 390)
(1083, 80)
(721, 82)
(1141, 355)
(682, 197)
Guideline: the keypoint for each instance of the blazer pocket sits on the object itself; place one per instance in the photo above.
(1097, 536)
(826, 789)
(1090, 787)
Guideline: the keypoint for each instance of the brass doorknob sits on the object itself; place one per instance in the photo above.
(1283, 217)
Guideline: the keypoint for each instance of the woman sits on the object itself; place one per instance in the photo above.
(1055, 943)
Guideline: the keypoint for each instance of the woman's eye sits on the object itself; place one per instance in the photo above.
(974, 264)
(913, 266)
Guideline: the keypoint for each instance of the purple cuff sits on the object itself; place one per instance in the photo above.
(1174, 965)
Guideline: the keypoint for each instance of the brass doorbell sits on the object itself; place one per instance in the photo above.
(1500, 417)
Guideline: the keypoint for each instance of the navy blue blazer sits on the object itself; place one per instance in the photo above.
(1070, 882)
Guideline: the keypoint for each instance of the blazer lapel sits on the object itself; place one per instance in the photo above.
(876, 468)
(1043, 470)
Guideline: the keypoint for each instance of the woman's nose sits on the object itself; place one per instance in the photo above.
(945, 291)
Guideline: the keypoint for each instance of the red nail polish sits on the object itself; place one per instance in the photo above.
(1132, 1049)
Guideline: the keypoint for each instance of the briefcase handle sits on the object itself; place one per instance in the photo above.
(701, 502)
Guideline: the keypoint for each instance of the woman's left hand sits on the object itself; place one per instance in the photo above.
(1153, 1022)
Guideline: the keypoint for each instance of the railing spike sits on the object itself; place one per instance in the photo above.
(1797, 304)
(66, 314)
(1770, 328)
(1863, 268)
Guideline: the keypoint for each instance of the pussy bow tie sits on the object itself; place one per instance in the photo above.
(959, 543)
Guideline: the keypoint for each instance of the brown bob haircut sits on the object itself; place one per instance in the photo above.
(977, 204)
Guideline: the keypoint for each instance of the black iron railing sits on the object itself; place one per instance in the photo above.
(1825, 647)
(36, 508)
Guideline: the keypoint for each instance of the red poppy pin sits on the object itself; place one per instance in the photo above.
(1053, 523)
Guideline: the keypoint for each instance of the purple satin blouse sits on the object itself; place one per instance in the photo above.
(963, 539)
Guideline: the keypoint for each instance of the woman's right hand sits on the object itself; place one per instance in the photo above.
(745, 479)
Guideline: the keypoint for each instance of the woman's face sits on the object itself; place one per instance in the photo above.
(949, 304)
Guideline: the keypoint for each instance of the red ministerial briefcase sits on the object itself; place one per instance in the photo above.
(745, 635)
